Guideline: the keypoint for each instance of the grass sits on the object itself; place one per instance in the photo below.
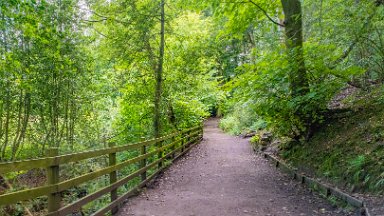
(347, 151)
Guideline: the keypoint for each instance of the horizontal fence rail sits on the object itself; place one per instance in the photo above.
(166, 148)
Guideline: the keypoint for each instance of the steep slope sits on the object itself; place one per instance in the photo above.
(348, 149)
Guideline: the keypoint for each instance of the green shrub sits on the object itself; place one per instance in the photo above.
(255, 139)
(231, 125)
(261, 97)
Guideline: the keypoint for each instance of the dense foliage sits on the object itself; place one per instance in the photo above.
(75, 74)
(81, 74)
(341, 48)
(45, 73)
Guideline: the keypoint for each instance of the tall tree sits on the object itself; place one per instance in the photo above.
(159, 74)
(294, 41)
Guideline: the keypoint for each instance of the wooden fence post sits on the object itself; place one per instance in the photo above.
(53, 177)
(188, 139)
(182, 143)
(201, 130)
(113, 178)
(160, 155)
(173, 147)
(144, 161)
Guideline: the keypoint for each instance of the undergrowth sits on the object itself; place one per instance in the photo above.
(349, 150)
(242, 120)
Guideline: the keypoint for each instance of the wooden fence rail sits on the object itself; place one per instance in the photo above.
(166, 148)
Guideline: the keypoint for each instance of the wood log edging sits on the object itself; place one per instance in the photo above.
(360, 205)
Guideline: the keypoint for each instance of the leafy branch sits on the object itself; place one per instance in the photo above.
(265, 13)
(354, 43)
(261, 9)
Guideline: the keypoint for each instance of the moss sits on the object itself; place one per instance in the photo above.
(255, 139)
(348, 151)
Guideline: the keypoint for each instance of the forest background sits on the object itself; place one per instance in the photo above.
(78, 75)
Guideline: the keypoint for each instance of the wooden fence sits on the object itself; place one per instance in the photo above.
(166, 148)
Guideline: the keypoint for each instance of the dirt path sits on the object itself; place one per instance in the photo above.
(223, 177)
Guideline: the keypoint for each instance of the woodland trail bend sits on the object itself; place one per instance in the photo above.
(223, 177)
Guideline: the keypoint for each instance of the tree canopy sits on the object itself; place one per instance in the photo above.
(82, 72)
(79, 74)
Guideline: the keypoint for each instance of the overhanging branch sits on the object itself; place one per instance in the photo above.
(265, 13)
(260, 8)
(353, 44)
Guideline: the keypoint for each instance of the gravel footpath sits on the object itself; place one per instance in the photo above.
(223, 177)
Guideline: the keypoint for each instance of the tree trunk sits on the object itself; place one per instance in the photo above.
(27, 110)
(17, 133)
(7, 120)
(159, 75)
(294, 42)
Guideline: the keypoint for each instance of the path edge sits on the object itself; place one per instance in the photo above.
(137, 190)
(362, 209)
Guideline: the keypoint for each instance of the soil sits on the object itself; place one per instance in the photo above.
(223, 177)
(375, 204)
